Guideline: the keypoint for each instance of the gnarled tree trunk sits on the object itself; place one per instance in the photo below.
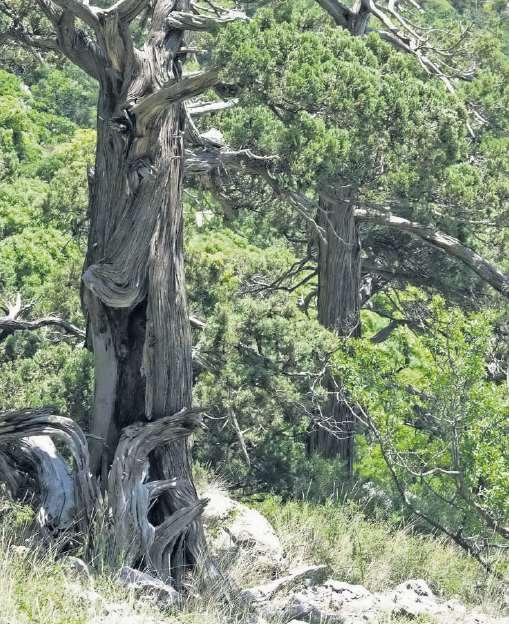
(134, 289)
(339, 281)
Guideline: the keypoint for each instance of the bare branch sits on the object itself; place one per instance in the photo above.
(180, 20)
(452, 246)
(401, 33)
(8, 326)
(340, 13)
(204, 108)
(12, 321)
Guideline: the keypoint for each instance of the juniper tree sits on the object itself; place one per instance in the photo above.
(133, 286)
(359, 131)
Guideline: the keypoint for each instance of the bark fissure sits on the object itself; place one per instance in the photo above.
(339, 282)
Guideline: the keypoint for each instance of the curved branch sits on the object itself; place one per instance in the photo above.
(81, 9)
(9, 326)
(180, 20)
(56, 483)
(20, 424)
(188, 87)
(452, 246)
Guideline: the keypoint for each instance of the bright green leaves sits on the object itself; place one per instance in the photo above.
(44, 265)
(66, 93)
(440, 424)
(21, 204)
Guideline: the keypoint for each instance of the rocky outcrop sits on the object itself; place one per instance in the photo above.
(335, 602)
(234, 529)
(304, 575)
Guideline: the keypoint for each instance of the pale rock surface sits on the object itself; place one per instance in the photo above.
(146, 585)
(233, 528)
(304, 575)
(335, 602)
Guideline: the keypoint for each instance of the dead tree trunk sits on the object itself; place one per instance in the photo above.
(339, 281)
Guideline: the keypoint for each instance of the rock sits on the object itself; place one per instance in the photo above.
(19, 551)
(304, 575)
(336, 602)
(144, 584)
(333, 602)
(417, 586)
(233, 528)
(78, 567)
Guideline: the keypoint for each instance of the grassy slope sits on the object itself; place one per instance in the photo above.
(36, 589)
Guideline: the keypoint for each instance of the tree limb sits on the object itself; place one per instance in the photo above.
(399, 32)
(188, 87)
(452, 246)
(9, 326)
(12, 321)
(180, 20)
(82, 9)
(204, 108)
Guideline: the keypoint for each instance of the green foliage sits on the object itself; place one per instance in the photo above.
(336, 108)
(39, 262)
(431, 414)
(66, 92)
(36, 373)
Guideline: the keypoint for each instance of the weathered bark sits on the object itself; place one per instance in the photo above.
(134, 290)
(134, 537)
(30, 428)
(56, 483)
(339, 282)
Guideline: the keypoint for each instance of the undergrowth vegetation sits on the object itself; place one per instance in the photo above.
(36, 586)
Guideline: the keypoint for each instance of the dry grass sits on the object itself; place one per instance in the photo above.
(36, 588)
(380, 556)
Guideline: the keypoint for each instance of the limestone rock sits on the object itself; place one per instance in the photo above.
(336, 602)
(304, 575)
(233, 528)
(146, 585)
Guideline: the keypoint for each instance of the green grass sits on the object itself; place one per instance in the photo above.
(378, 555)
(36, 588)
